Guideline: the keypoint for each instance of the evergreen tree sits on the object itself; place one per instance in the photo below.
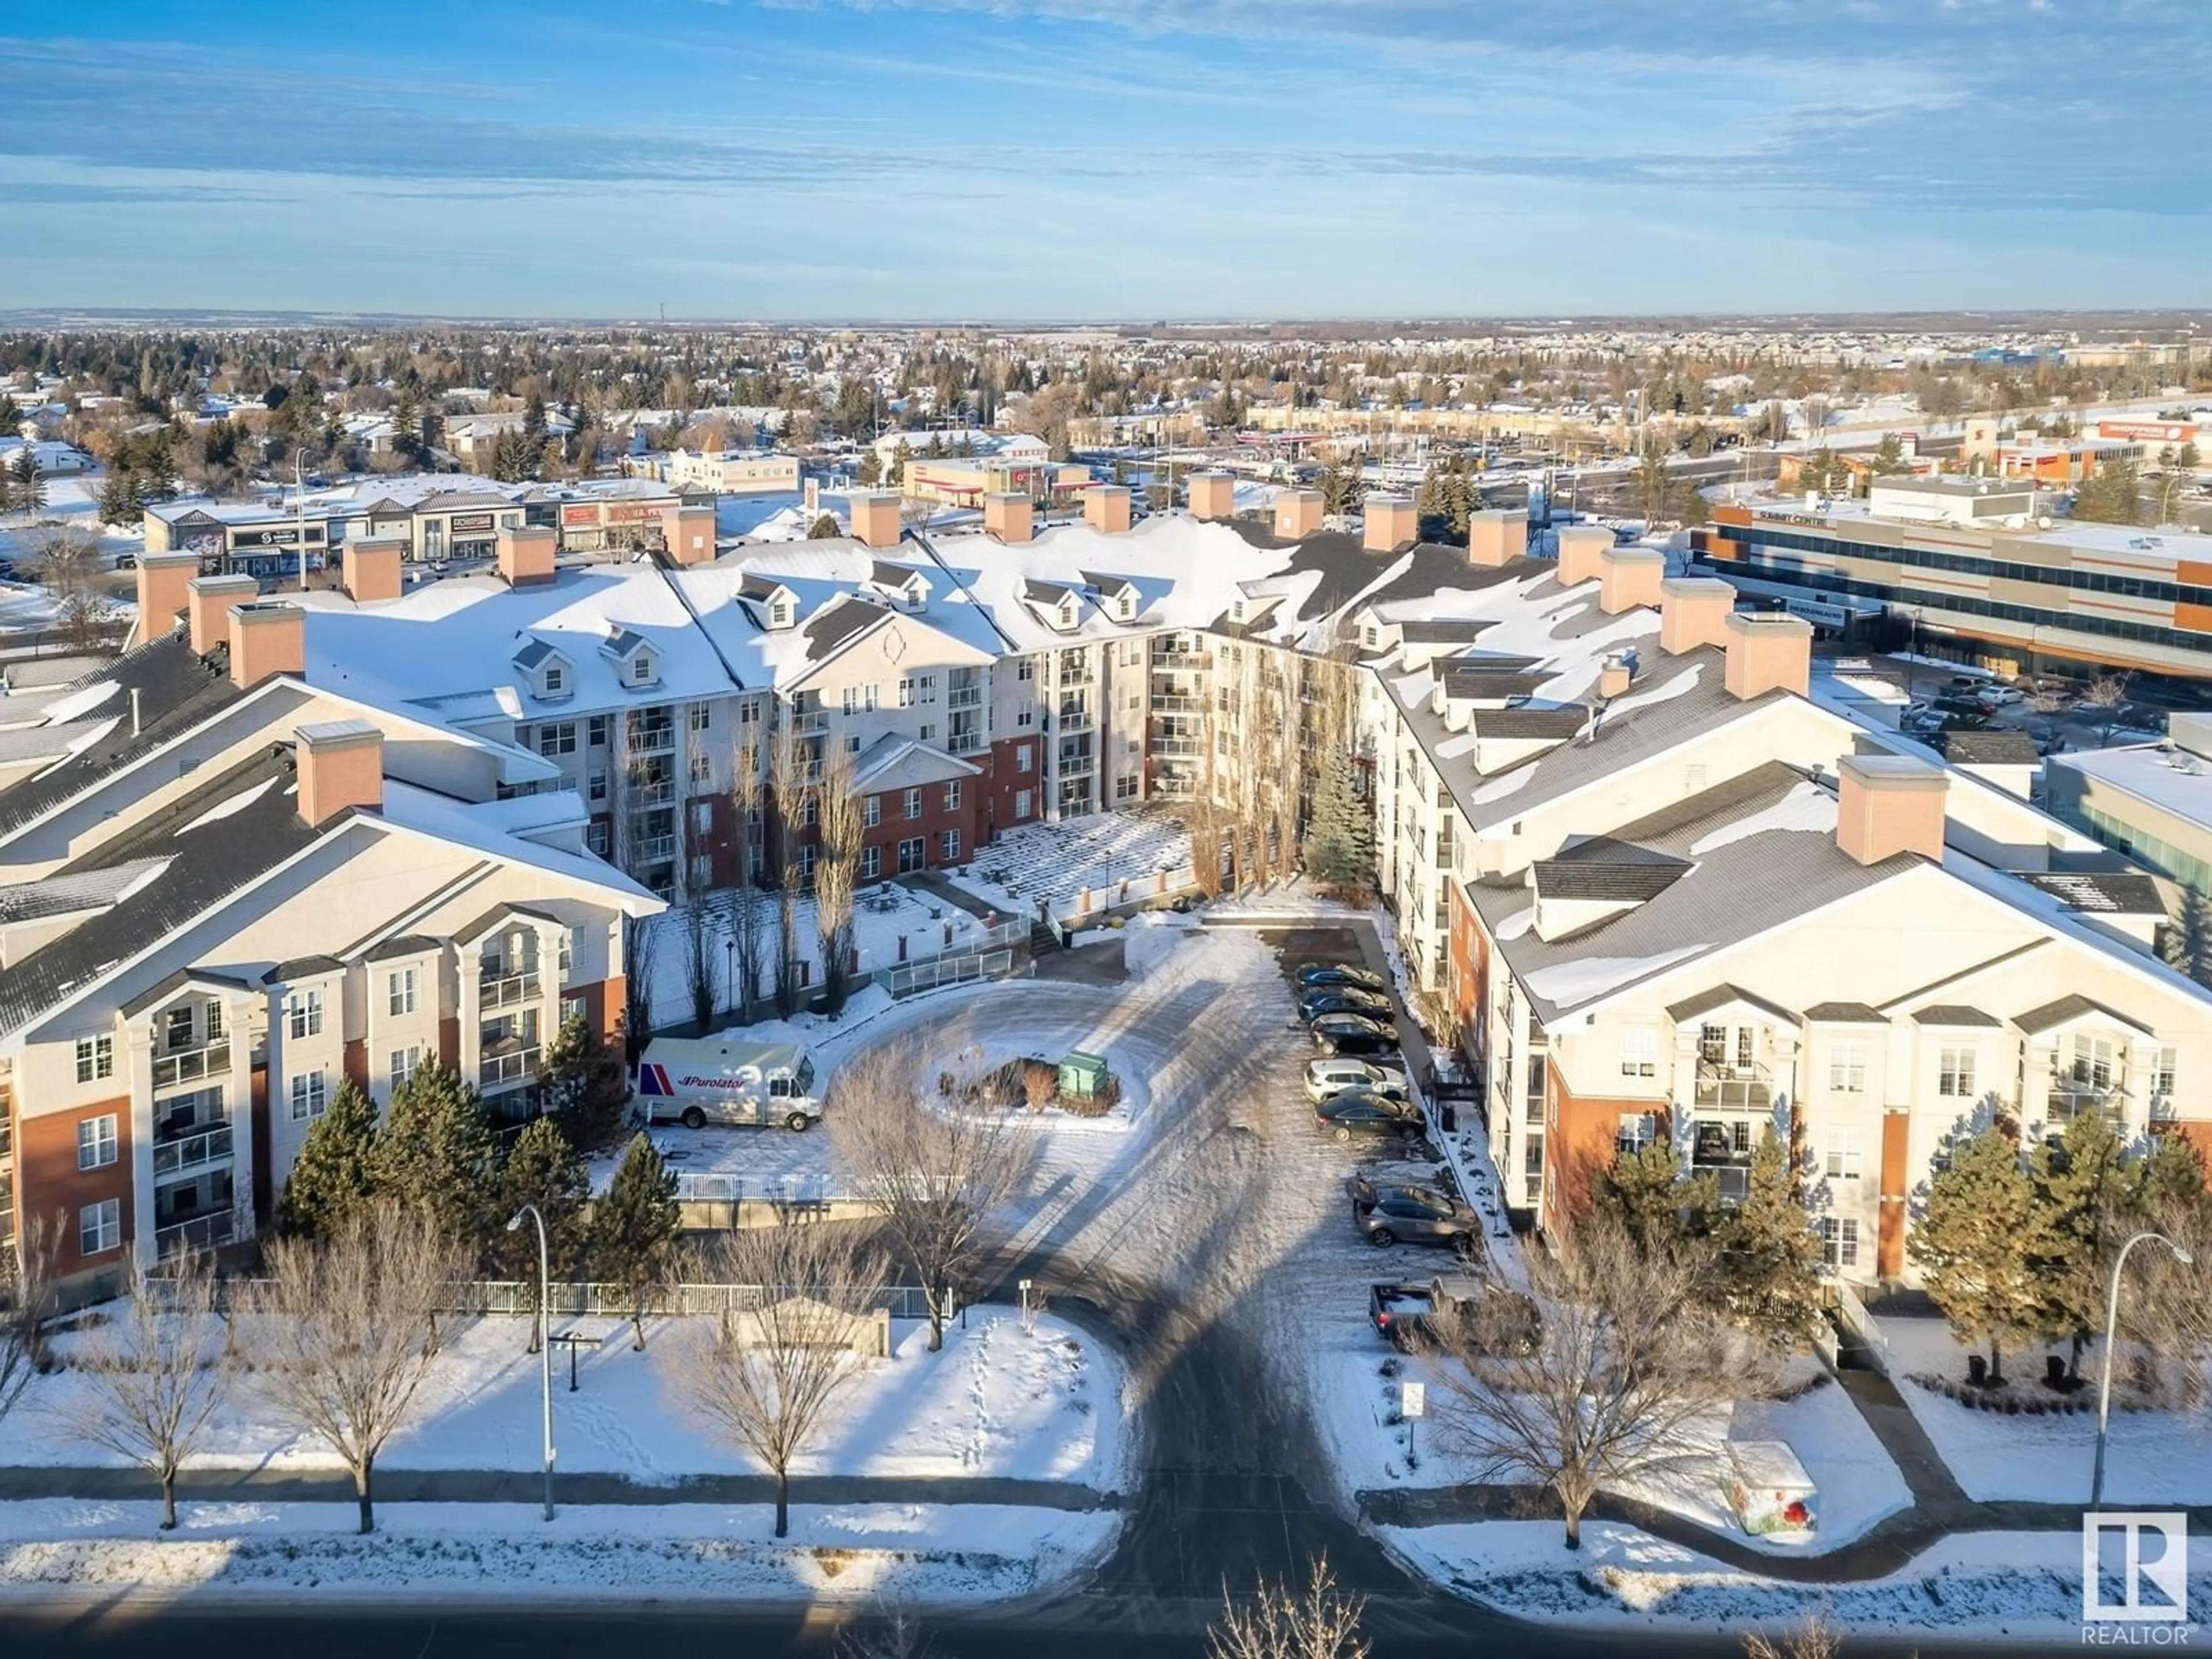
(334, 1176)
(436, 1149)
(1975, 1245)
(1770, 1257)
(633, 1228)
(2174, 1176)
(118, 498)
(2084, 1186)
(30, 484)
(1660, 1205)
(2111, 494)
(583, 1083)
(1341, 490)
(542, 1169)
(2185, 943)
(869, 471)
(406, 428)
(534, 422)
(1889, 456)
(824, 528)
(1340, 844)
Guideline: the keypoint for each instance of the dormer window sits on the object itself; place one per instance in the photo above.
(1067, 613)
(640, 672)
(779, 614)
(1125, 606)
(556, 681)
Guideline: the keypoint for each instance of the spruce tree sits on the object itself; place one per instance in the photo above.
(542, 1169)
(1340, 845)
(2084, 1186)
(1660, 1205)
(118, 498)
(334, 1176)
(633, 1228)
(436, 1149)
(1770, 1257)
(2173, 1176)
(584, 1084)
(1975, 1245)
(30, 491)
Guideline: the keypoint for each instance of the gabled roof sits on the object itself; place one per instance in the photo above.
(1844, 1013)
(622, 644)
(536, 653)
(892, 760)
(302, 968)
(846, 620)
(2067, 1010)
(1953, 1013)
(1724, 996)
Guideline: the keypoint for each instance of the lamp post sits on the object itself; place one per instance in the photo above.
(2104, 1382)
(730, 969)
(544, 1336)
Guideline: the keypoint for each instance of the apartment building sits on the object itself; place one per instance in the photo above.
(236, 889)
(1975, 561)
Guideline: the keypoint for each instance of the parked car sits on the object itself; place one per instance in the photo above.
(1958, 703)
(1343, 999)
(1405, 1312)
(1349, 1034)
(1356, 1112)
(1340, 973)
(1411, 1215)
(2001, 697)
(1325, 1077)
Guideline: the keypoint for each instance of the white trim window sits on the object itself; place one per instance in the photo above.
(1845, 1154)
(1954, 1072)
(99, 1227)
(1639, 1051)
(405, 1062)
(1839, 1242)
(1847, 1068)
(95, 1141)
(399, 992)
(303, 1015)
(310, 1095)
(95, 1059)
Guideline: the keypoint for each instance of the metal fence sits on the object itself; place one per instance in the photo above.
(1860, 1325)
(592, 1300)
(798, 1189)
(962, 969)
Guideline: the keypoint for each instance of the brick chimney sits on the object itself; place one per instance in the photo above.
(162, 579)
(688, 533)
(266, 638)
(1767, 651)
(1298, 514)
(1694, 611)
(1213, 496)
(1389, 524)
(525, 554)
(1106, 508)
(207, 607)
(1497, 536)
(1580, 547)
(875, 517)
(340, 764)
(1629, 577)
(1613, 677)
(370, 569)
(1889, 804)
(1009, 515)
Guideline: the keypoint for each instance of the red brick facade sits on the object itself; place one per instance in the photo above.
(52, 1189)
(1006, 779)
(955, 807)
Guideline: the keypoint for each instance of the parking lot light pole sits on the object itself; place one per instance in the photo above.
(2111, 1322)
(544, 1336)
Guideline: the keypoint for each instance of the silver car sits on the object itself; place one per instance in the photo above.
(1334, 1075)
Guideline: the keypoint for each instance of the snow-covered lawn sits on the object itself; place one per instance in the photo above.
(2154, 1458)
(1043, 1405)
(1978, 1586)
(1104, 853)
(888, 1553)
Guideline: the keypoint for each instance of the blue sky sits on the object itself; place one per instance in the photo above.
(1071, 159)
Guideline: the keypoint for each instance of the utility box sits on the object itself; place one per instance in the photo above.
(1082, 1077)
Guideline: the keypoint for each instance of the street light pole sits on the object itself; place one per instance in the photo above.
(2112, 1321)
(544, 1336)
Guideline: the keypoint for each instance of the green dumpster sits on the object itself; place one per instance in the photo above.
(1082, 1076)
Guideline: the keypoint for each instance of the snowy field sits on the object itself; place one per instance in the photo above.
(1041, 1405)
(884, 1554)
(1056, 862)
(2154, 1457)
(1976, 1586)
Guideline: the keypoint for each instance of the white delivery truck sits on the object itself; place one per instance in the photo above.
(703, 1080)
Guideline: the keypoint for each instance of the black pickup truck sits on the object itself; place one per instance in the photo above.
(1402, 1312)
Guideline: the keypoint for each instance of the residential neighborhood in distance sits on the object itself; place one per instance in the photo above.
(1303, 832)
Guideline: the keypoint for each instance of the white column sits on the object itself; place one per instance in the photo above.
(138, 1040)
(237, 1014)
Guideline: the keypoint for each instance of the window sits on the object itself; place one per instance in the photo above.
(779, 614)
(928, 733)
(1022, 800)
(1639, 1052)
(304, 1014)
(399, 992)
(178, 1028)
(1636, 1131)
(405, 1064)
(598, 729)
(914, 803)
(1839, 1242)
(596, 837)
(700, 714)
(810, 814)
(598, 786)
(851, 700)
(1026, 717)
(215, 1024)
(748, 712)
(567, 954)
(913, 855)
(557, 737)
(308, 1094)
(99, 1227)
(2161, 1076)
(1847, 1068)
(1744, 1036)
(872, 863)
(1024, 668)
(703, 871)
(702, 767)
(872, 811)
(1713, 1045)
(702, 817)
(556, 681)
(853, 745)
(1843, 1162)
(2093, 1061)
(640, 672)
(1126, 786)
(1954, 1073)
(1021, 757)
(95, 1057)
(949, 845)
(95, 1141)
(952, 796)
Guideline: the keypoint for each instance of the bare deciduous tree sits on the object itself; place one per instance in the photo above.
(790, 792)
(154, 1372)
(936, 1174)
(747, 918)
(896, 1637)
(1605, 1384)
(26, 1299)
(1812, 1638)
(702, 936)
(2107, 695)
(835, 872)
(1282, 1622)
(339, 1334)
(767, 1378)
(639, 946)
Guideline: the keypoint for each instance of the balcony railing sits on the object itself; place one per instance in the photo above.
(1078, 765)
(183, 1066)
(2070, 1098)
(653, 848)
(657, 794)
(1182, 660)
(1075, 720)
(499, 990)
(201, 1150)
(1185, 748)
(1175, 703)
(652, 740)
(964, 696)
(964, 742)
(812, 724)
(1733, 1177)
(1745, 1088)
(200, 1233)
(503, 1066)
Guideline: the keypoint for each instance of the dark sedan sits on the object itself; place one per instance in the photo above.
(1344, 999)
(1356, 1112)
(1349, 1033)
(1340, 973)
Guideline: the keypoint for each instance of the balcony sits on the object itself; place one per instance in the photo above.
(964, 696)
(812, 724)
(1732, 1177)
(652, 740)
(202, 1149)
(201, 1233)
(1745, 1088)
(179, 1067)
(1083, 676)
(2069, 1096)
(662, 793)
(1072, 766)
(502, 990)
(1178, 748)
(964, 742)
(1175, 702)
(1075, 718)
(1170, 659)
(506, 1063)
(653, 849)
